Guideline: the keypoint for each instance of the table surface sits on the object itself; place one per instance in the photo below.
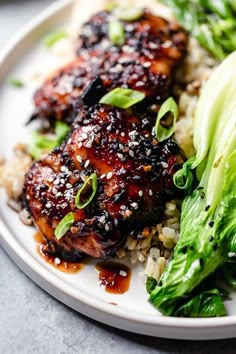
(31, 321)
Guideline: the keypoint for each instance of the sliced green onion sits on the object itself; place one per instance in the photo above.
(183, 178)
(87, 192)
(128, 13)
(122, 97)
(110, 6)
(54, 37)
(166, 119)
(116, 32)
(61, 131)
(16, 83)
(44, 143)
(64, 225)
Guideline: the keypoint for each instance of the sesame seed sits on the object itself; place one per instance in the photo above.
(56, 181)
(140, 193)
(150, 192)
(120, 156)
(48, 205)
(153, 45)
(62, 181)
(103, 176)
(107, 228)
(122, 207)
(88, 144)
(86, 163)
(58, 194)
(131, 153)
(134, 205)
(147, 64)
(121, 146)
(109, 175)
(80, 138)
(122, 134)
(102, 219)
(132, 133)
(50, 179)
(84, 136)
(54, 190)
(68, 185)
(80, 145)
(57, 261)
(79, 158)
(64, 169)
(164, 164)
(123, 273)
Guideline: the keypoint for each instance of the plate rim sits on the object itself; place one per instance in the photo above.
(41, 275)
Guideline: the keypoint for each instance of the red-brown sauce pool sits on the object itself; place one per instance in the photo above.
(115, 277)
(63, 266)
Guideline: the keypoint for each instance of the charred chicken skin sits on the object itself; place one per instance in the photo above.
(134, 179)
(153, 47)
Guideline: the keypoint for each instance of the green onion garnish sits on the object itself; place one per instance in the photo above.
(54, 37)
(166, 119)
(64, 225)
(16, 83)
(110, 6)
(44, 143)
(128, 13)
(87, 192)
(183, 178)
(122, 97)
(116, 32)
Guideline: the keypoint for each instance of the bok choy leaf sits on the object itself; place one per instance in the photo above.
(208, 218)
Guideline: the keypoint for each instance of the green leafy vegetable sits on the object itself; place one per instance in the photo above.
(229, 274)
(116, 32)
(122, 97)
(54, 37)
(64, 225)
(44, 143)
(213, 23)
(208, 303)
(16, 83)
(151, 283)
(128, 13)
(208, 226)
(166, 119)
(87, 192)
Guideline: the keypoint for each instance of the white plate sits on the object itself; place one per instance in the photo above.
(79, 291)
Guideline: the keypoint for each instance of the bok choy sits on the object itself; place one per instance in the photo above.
(213, 23)
(208, 219)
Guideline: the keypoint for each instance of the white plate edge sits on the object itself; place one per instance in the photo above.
(35, 270)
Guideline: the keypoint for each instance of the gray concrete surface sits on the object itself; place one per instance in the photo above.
(31, 321)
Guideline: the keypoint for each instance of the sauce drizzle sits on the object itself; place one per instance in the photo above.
(56, 262)
(115, 277)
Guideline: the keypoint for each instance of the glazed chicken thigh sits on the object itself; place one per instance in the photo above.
(152, 48)
(133, 176)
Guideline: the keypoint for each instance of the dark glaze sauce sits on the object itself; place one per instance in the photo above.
(115, 277)
(56, 262)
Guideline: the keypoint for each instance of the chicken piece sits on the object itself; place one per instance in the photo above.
(145, 62)
(134, 179)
